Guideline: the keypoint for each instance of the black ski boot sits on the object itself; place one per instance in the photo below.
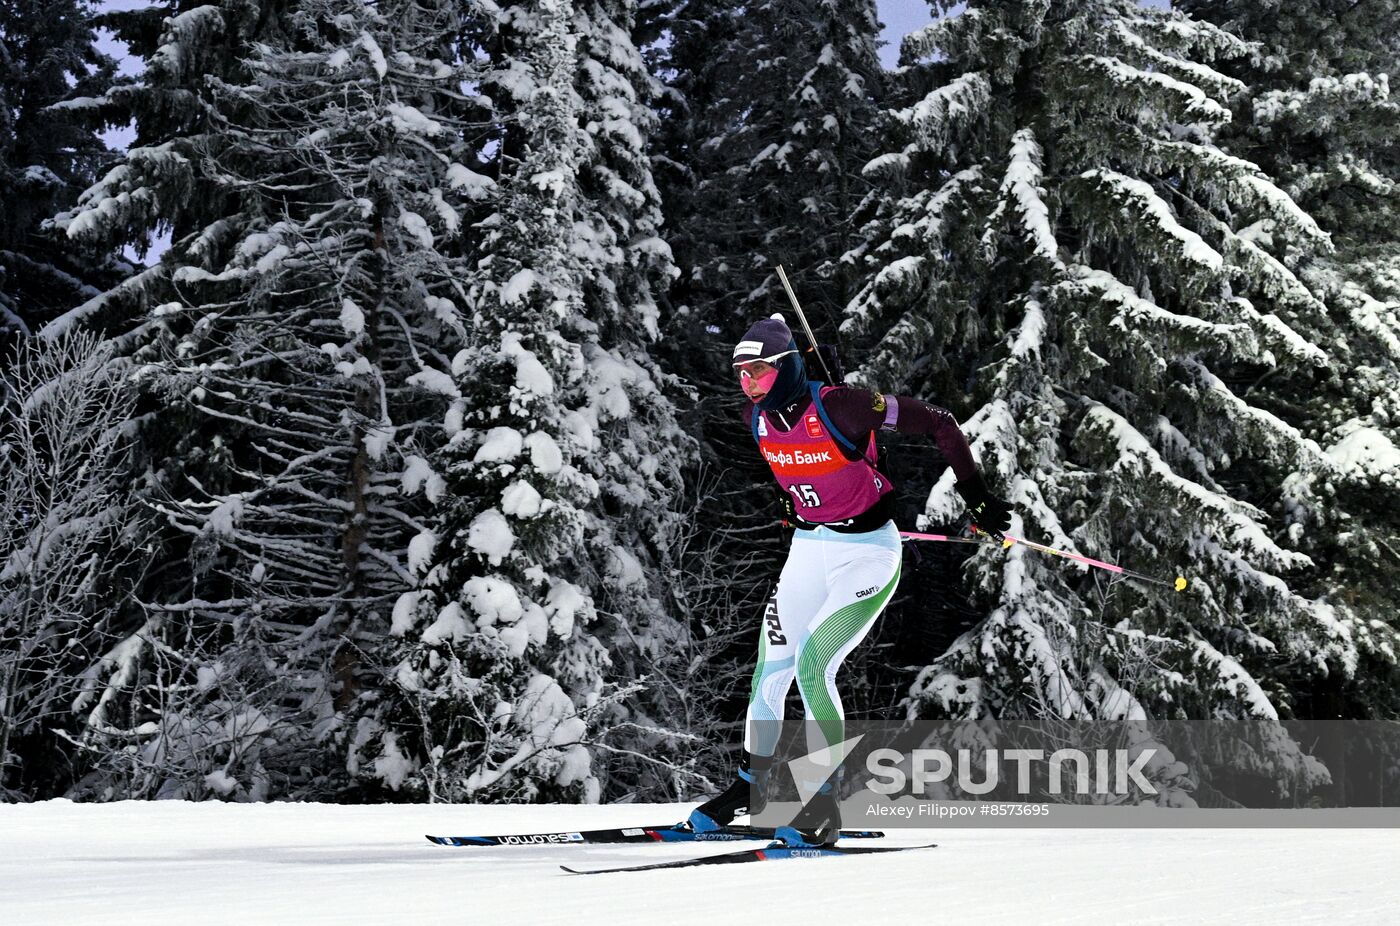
(818, 823)
(748, 794)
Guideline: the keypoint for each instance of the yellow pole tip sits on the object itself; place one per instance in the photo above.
(1181, 583)
(1006, 544)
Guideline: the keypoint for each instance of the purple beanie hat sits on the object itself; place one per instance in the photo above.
(767, 339)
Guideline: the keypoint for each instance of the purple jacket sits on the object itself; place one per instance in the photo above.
(830, 482)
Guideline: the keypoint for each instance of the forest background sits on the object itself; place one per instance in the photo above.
(369, 432)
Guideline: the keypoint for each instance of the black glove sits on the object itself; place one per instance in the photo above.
(789, 508)
(989, 514)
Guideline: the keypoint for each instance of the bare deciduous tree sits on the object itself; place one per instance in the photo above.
(67, 523)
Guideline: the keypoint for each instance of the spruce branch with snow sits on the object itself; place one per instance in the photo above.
(1319, 115)
(774, 102)
(1060, 229)
(49, 153)
(151, 188)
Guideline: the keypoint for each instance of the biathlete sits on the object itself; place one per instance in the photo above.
(844, 562)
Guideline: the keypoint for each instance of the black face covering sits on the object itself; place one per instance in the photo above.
(790, 385)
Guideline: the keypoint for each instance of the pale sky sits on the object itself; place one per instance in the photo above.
(899, 17)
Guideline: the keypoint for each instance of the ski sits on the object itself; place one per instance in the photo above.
(773, 853)
(630, 834)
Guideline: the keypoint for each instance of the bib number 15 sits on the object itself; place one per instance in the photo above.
(806, 495)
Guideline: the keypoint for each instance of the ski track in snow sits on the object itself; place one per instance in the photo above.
(303, 864)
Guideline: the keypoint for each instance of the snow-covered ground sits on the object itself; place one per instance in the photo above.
(303, 864)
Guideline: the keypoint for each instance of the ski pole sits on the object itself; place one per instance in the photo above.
(802, 316)
(1179, 584)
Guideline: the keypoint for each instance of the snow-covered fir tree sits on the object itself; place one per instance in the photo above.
(543, 597)
(185, 47)
(307, 347)
(1066, 255)
(775, 102)
(48, 55)
(1320, 116)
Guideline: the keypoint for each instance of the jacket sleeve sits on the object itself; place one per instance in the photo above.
(857, 412)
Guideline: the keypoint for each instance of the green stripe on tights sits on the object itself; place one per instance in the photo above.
(839, 628)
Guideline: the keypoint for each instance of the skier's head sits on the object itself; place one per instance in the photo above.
(770, 369)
